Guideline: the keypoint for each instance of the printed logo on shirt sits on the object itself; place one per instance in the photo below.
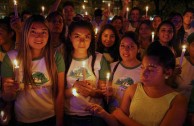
(78, 73)
(124, 82)
(39, 78)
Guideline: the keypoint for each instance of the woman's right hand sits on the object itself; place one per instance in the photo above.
(9, 89)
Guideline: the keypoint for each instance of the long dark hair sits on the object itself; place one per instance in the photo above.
(91, 49)
(114, 49)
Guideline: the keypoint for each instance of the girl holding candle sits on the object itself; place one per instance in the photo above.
(41, 71)
(128, 64)
(108, 42)
(81, 48)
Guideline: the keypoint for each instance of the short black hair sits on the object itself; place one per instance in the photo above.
(191, 10)
(98, 12)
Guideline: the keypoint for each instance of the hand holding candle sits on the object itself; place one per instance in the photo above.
(15, 8)
(74, 92)
(3, 117)
(182, 54)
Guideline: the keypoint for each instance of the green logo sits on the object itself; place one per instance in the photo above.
(124, 82)
(78, 73)
(39, 78)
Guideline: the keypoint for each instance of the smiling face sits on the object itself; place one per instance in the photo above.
(144, 31)
(38, 36)
(135, 15)
(165, 34)
(108, 38)
(128, 49)
(81, 39)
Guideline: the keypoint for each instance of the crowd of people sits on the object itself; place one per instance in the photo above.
(59, 70)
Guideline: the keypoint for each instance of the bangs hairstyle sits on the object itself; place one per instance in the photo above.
(25, 55)
(165, 58)
(91, 50)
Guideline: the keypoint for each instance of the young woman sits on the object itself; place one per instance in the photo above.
(144, 32)
(86, 79)
(117, 22)
(57, 29)
(128, 64)
(166, 35)
(168, 107)
(41, 71)
(108, 43)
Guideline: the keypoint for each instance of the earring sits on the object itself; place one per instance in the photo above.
(166, 77)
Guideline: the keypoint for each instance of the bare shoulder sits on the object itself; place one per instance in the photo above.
(130, 91)
(180, 101)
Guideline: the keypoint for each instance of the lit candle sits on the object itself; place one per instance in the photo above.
(3, 117)
(107, 85)
(109, 7)
(153, 36)
(84, 70)
(147, 11)
(74, 92)
(182, 54)
(15, 8)
(127, 13)
(96, 31)
(83, 6)
(16, 71)
(43, 9)
(86, 13)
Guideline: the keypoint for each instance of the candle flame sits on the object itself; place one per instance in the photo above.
(74, 92)
(127, 9)
(15, 63)
(147, 8)
(184, 48)
(153, 33)
(2, 113)
(15, 2)
(43, 8)
(107, 76)
(108, 4)
(96, 30)
(86, 13)
(83, 6)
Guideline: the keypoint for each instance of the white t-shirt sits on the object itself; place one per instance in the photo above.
(124, 77)
(73, 105)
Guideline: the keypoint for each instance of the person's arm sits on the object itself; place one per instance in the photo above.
(60, 100)
(97, 110)
(177, 113)
(125, 4)
(122, 113)
(54, 6)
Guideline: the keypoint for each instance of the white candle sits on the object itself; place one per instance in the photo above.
(147, 11)
(96, 31)
(107, 85)
(15, 8)
(182, 54)
(84, 70)
(74, 92)
(153, 36)
(43, 9)
(127, 13)
(16, 71)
